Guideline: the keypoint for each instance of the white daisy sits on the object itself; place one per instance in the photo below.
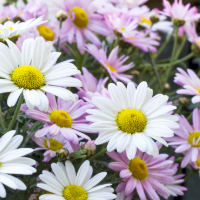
(12, 162)
(31, 71)
(66, 184)
(12, 31)
(131, 118)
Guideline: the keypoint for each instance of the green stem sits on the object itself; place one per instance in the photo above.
(155, 69)
(17, 110)
(181, 47)
(164, 45)
(57, 46)
(173, 55)
(2, 122)
(189, 175)
(98, 154)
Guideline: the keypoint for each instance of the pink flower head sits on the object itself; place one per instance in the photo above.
(114, 65)
(145, 173)
(179, 11)
(129, 3)
(90, 84)
(82, 22)
(63, 117)
(190, 82)
(187, 138)
(52, 144)
(145, 41)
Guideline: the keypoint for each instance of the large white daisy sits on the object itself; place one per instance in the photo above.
(131, 118)
(65, 184)
(31, 71)
(12, 31)
(12, 162)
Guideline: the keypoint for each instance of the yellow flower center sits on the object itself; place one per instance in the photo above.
(194, 139)
(54, 145)
(28, 77)
(46, 33)
(198, 89)
(138, 168)
(123, 29)
(74, 192)
(81, 18)
(145, 20)
(198, 162)
(61, 118)
(110, 67)
(131, 121)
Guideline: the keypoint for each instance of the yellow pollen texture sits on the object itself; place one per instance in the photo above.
(193, 138)
(81, 18)
(198, 89)
(110, 67)
(46, 33)
(131, 121)
(61, 118)
(138, 168)
(28, 77)
(54, 145)
(145, 20)
(198, 162)
(74, 192)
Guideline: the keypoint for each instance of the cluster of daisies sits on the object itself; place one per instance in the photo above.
(69, 113)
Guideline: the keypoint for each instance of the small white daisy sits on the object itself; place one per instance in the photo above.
(12, 31)
(131, 118)
(12, 162)
(32, 71)
(65, 184)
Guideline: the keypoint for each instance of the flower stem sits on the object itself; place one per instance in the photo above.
(17, 110)
(58, 42)
(181, 47)
(98, 154)
(189, 175)
(2, 122)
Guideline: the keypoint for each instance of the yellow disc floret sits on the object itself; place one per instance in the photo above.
(198, 89)
(74, 192)
(46, 33)
(145, 20)
(61, 118)
(131, 121)
(110, 67)
(193, 139)
(198, 162)
(81, 18)
(138, 168)
(54, 145)
(28, 77)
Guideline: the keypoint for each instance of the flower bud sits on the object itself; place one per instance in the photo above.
(61, 15)
(178, 22)
(135, 73)
(195, 49)
(3, 20)
(154, 19)
(62, 154)
(183, 100)
(167, 86)
(90, 147)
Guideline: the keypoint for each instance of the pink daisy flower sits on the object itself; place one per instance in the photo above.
(114, 65)
(145, 173)
(52, 144)
(187, 138)
(145, 41)
(83, 21)
(190, 82)
(90, 84)
(63, 117)
(179, 11)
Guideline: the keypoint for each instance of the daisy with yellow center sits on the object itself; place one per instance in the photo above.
(65, 117)
(146, 174)
(113, 64)
(131, 118)
(46, 32)
(65, 184)
(32, 72)
(187, 138)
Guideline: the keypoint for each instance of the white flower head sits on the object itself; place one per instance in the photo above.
(131, 118)
(32, 71)
(65, 184)
(12, 162)
(10, 30)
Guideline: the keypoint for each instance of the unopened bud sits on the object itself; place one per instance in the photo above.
(178, 22)
(135, 73)
(195, 49)
(3, 20)
(90, 147)
(167, 86)
(61, 15)
(62, 154)
(183, 100)
(154, 19)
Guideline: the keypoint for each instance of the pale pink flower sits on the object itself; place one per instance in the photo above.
(129, 3)
(190, 82)
(114, 65)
